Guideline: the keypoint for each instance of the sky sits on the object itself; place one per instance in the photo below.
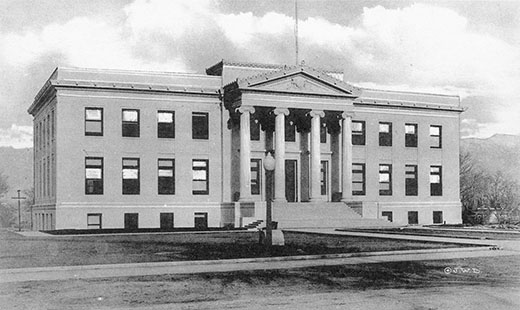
(465, 48)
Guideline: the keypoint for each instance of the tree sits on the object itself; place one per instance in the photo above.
(4, 186)
(473, 182)
(502, 198)
(485, 194)
(7, 214)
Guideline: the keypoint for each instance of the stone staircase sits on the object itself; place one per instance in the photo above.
(255, 225)
(322, 215)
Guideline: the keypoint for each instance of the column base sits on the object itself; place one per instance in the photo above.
(246, 199)
(279, 200)
(317, 199)
(348, 199)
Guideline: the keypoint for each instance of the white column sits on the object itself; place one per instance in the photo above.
(315, 155)
(245, 153)
(279, 155)
(346, 160)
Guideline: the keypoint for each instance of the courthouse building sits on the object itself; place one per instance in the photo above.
(134, 149)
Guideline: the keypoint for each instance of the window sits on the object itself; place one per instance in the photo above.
(165, 124)
(435, 136)
(93, 122)
(166, 220)
(200, 176)
(290, 131)
(385, 180)
(413, 217)
(131, 181)
(201, 220)
(388, 215)
(410, 135)
(435, 180)
(94, 176)
(130, 123)
(358, 179)
(358, 132)
(410, 180)
(94, 221)
(166, 176)
(200, 125)
(385, 134)
(323, 132)
(256, 164)
(324, 177)
(437, 217)
(254, 127)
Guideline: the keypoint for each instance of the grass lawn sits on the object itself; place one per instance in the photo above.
(400, 285)
(18, 251)
(441, 232)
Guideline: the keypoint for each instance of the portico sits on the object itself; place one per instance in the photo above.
(311, 106)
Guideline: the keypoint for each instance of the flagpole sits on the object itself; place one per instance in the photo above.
(296, 28)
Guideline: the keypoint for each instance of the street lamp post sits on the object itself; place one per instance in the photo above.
(269, 165)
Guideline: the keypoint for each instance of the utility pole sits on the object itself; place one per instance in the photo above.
(19, 210)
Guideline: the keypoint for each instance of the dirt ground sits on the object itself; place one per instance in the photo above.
(402, 285)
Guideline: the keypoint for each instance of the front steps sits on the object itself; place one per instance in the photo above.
(322, 215)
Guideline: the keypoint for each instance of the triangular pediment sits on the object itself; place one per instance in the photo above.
(298, 79)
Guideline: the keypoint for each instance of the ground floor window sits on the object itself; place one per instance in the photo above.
(201, 220)
(94, 221)
(413, 217)
(388, 215)
(166, 220)
(131, 221)
(437, 217)
(324, 177)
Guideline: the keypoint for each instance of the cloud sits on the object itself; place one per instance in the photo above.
(17, 136)
(418, 48)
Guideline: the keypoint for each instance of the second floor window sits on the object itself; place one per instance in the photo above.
(358, 133)
(200, 125)
(290, 131)
(436, 181)
(385, 134)
(166, 124)
(323, 132)
(166, 176)
(130, 125)
(435, 137)
(93, 122)
(358, 179)
(254, 127)
(411, 180)
(94, 176)
(385, 180)
(410, 135)
(131, 180)
(200, 169)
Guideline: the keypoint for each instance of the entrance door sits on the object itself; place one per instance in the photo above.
(166, 220)
(291, 177)
(131, 221)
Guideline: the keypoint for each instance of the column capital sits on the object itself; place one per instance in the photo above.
(246, 108)
(347, 114)
(315, 113)
(279, 111)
